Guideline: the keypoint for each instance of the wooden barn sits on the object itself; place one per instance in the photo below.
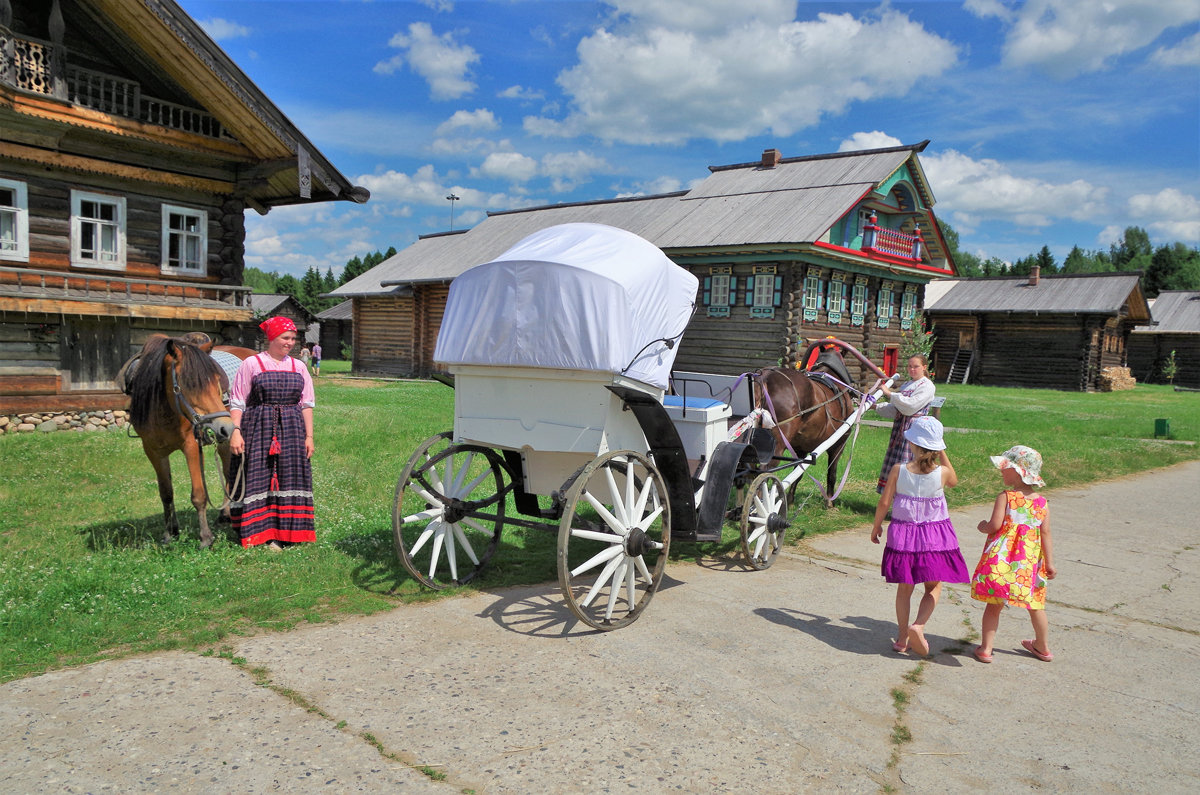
(265, 305)
(1175, 327)
(336, 326)
(1053, 332)
(130, 148)
(786, 250)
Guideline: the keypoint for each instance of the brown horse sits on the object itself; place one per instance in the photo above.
(807, 410)
(176, 404)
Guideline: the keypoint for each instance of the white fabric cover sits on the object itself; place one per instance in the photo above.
(573, 296)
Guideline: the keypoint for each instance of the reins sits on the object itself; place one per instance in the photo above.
(204, 436)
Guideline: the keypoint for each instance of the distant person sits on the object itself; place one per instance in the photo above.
(271, 403)
(306, 355)
(904, 405)
(316, 358)
(922, 546)
(1017, 557)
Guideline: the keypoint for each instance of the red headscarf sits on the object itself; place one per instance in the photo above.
(275, 326)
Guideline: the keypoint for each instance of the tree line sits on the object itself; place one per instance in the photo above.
(1169, 266)
(308, 289)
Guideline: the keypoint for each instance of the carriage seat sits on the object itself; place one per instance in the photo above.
(691, 402)
(834, 364)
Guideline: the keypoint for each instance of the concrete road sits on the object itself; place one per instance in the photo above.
(732, 681)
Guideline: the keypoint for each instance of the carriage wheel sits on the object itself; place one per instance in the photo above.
(613, 539)
(764, 521)
(436, 540)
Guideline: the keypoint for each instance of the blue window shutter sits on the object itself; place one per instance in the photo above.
(778, 297)
(732, 290)
(707, 290)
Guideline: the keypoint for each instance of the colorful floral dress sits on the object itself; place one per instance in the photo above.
(1010, 569)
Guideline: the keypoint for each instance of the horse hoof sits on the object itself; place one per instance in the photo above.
(169, 538)
(206, 544)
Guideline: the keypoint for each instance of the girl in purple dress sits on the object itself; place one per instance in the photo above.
(922, 546)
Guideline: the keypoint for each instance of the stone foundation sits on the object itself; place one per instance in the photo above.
(82, 421)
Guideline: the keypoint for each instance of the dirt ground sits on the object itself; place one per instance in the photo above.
(732, 681)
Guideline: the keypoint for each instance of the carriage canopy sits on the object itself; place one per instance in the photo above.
(574, 296)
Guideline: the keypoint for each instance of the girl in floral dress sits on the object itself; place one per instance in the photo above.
(1018, 557)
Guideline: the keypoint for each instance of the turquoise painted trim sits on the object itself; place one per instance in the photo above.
(803, 259)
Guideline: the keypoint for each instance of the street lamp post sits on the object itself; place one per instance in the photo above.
(452, 199)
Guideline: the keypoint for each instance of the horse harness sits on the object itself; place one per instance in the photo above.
(199, 421)
(828, 381)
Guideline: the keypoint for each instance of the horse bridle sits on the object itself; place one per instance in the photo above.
(200, 422)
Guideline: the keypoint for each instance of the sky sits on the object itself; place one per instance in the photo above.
(1052, 122)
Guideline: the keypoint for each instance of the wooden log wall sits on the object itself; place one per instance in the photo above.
(1040, 351)
(1148, 353)
(50, 226)
(430, 307)
(385, 335)
(738, 343)
(950, 334)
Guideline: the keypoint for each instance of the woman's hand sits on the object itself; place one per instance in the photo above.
(309, 447)
(237, 445)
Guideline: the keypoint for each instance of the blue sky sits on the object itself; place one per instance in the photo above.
(1053, 122)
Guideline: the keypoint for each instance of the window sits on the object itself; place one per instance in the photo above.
(764, 292)
(858, 300)
(720, 286)
(184, 240)
(97, 230)
(883, 305)
(812, 295)
(836, 303)
(14, 221)
(908, 307)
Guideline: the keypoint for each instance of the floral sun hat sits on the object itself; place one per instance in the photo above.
(1025, 460)
(926, 432)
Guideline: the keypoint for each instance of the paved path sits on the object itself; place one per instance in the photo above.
(733, 681)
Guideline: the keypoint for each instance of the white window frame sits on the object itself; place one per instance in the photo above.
(884, 302)
(812, 292)
(835, 300)
(719, 290)
(764, 290)
(858, 299)
(201, 237)
(78, 223)
(908, 305)
(16, 250)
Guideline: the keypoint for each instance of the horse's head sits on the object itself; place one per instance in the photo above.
(195, 387)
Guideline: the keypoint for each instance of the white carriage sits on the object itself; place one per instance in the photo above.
(561, 352)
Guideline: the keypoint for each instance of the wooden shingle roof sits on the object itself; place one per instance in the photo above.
(793, 203)
(1174, 312)
(1094, 293)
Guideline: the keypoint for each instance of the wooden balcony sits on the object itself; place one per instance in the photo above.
(880, 240)
(29, 64)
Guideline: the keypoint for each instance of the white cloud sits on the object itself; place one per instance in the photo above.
(441, 61)
(223, 29)
(1186, 53)
(479, 119)
(1169, 214)
(457, 146)
(973, 192)
(1065, 38)
(511, 166)
(441, 6)
(569, 170)
(868, 140)
(427, 188)
(522, 93)
(729, 78)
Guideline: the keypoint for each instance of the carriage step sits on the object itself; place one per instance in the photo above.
(692, 536)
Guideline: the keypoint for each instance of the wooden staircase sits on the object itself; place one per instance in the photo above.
(960, 368)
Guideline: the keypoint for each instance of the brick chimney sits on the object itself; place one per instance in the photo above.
(1035, 275)
(771, 158)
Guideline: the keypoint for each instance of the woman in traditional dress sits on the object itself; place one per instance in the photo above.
(904, 405)
(271, 402)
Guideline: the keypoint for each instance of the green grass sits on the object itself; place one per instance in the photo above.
(82, 576)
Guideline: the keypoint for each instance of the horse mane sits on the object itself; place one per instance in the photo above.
(148, 389)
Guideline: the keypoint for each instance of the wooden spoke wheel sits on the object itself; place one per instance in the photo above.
(764, 521)
(449, 511)
(613, 539)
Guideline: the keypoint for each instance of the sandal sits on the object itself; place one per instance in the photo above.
(1043, 656)
(900, 647)
(979, 655)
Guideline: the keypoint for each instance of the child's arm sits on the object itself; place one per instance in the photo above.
(885, 502)
(994, 524)
(949, 476)
(1047, 549)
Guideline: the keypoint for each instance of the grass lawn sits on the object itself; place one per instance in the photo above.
(82, 576)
